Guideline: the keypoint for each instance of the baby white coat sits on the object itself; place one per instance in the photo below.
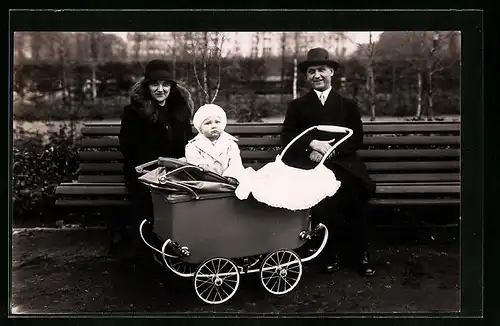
(221, 156)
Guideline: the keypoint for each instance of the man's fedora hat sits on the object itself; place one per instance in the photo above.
(317, 56)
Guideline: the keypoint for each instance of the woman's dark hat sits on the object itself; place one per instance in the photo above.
(317, 56)
(157, 70)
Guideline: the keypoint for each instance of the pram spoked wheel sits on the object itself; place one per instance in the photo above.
(216, 280)
(281, 271)
(178, 265)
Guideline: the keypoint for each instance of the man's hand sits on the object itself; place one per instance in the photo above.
(320, 146)
(315, 156)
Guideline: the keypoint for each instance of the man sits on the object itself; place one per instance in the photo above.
(344, 213)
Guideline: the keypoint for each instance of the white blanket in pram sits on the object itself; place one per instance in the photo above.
(282, 186)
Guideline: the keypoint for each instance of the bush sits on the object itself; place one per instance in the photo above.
(39, 165)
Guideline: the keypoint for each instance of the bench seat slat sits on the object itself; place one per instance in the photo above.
(120, 189)
(386, 177)
(92, 203)
(415, 177)
(96, 189)
(415, 202)
(376, 201)
(108, 178)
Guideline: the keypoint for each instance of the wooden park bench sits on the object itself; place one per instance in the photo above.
(412, 163)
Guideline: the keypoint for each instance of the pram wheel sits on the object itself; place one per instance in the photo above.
(216, 280)
(281, 271)
(179, 266)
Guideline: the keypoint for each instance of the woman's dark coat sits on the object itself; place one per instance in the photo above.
(149, 131)
(307, 111)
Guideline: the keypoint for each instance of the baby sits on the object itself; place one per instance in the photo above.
(214, 149)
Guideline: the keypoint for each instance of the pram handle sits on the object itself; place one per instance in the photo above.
(185, 167)
(175, 185)
(333, 129)
(140, 168)
(163, 161)
(326, 128)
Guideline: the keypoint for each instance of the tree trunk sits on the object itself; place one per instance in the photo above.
(430, 109)
(94, 82)
(174, 63)
(419, 96)
(393, 92)
(205, 67)
(295, 63)
(370, 85)
(283, 43)
(295, 78)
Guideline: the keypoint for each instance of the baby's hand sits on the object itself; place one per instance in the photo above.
(232, 181)
(205, 167)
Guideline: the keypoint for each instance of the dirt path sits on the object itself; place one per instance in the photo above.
(70, 271)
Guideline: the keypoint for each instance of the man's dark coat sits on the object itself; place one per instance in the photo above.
(307, 111)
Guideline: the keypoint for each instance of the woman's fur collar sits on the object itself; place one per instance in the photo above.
(146, 107)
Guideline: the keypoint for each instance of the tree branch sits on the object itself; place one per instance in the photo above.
(196, 74)
(445, 67)
(218, 82)
(219, 63)
(368, 49)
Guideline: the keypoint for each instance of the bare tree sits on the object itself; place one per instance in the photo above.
(427, 53)
(94, 59)
(210, 48)
(296, 36)
(283, 55)
(175, 52)
(369, 52)
(434, 63)
(20, 42)
(137, 39)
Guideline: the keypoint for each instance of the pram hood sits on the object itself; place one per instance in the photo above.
(176, 176)
(279, 185)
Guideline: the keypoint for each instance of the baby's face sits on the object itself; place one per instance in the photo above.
(211, 127)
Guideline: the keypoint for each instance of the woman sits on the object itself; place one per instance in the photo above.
(156, 123)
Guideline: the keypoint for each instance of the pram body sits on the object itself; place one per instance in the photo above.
(223, 225)
(209, 234)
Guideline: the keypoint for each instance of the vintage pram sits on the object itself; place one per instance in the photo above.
(202, 230)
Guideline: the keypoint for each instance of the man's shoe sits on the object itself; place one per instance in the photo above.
(333, 265)
(364, 267)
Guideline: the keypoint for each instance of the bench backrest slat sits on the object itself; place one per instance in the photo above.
(113, 129)
(366, 154)
(113, 142)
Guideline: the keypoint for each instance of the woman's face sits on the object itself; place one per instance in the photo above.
(160, 90)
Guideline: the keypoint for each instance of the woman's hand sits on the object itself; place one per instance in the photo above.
(315, 156)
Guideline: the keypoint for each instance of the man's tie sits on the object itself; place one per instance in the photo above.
(322, 98)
